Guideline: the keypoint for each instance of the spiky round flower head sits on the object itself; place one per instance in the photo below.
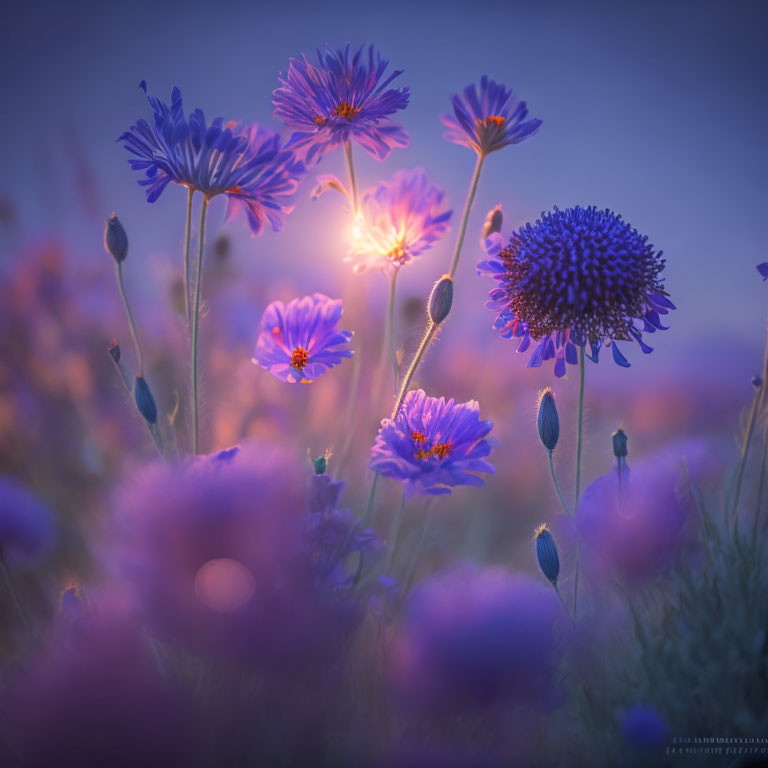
(433, 444)
(575, 277)
(299, 340)
(400, 219)
(341, 98)
(489, 120)
(244, 162)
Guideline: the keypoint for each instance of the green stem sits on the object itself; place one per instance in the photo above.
(131, 322)
(187, 232)
(576, 581)
(386, 346)
(408, 576)
(14, 594)
(467, 209)
(560, 597)
(196, 326)
(761, 483)
(369, 507)
(428, 335)
(745, 449)
(352, 176)
(393, 532)
(556, 484)
(579, 428)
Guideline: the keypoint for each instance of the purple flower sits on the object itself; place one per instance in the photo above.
(299, 340)
(763, 270)
(644, 728)
(401, 219)
(433, 444)
(342, 98)
(26, 525)
(575, 277)
(636, 524)
(215, 552)
(477, 637)
(245, 162)
(490, 120)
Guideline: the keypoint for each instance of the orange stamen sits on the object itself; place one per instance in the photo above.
(496, 120)
(418, 437)
(344, 109)
(441, 450)
(299, 358)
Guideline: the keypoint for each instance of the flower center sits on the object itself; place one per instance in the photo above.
(441, 450)
(437, 451)
(418, 437)
(397, 253)
(346, 110)
(496, 120)
(299, 358)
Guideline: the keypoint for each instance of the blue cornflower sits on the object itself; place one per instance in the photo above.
(433, 444)
(245, 162)
(299, 341)
(401, 219)
(489, 120)
(26, 525)
(763, 270)
(341, 98)
(575, 277)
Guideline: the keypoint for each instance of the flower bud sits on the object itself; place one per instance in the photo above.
(114, 351)
(115, 239)
(440, 299)
(492, 222)
(757, 382)
(145, 402)
(321, 465)
(619, 438)
(546, 554)
(548, 420)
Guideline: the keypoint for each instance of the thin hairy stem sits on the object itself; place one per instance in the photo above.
(761, 483)
(745, 450)
(417, 358)
(387, 355)
(352, 175)
(465, 217)
(576, 580)
(560, 597)
(131, 322)
(579, 428)
(196, 327)
(187, 232)
(394, 530)
(369, 507)
(556, 484)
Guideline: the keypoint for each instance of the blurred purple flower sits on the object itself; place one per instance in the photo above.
(401, 219)
(92, 696)
(245, 162)
(575, 277)
(342, 98)
(26, 525)
(763, 270)
(638, 525)
(433, 444)
(215, 552)
(299, 341)
(472, 637)
(644, 728)
(489, 120)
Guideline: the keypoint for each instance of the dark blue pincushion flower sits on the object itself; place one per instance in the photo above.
(299, 340)
(245, 162)
(575, 277)
(489, 120)
(433, 444)
(344, 97)
(26, 525)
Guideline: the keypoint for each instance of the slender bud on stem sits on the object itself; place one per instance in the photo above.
(492, 222)
(619, 439)
(440, 300)
(114, 351)
(546, 554)
(757, 382)
(547, 420)
(145, 402)
(115, 238)
(321, 465)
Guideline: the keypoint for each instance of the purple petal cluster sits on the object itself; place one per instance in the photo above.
(26, 525)
(433, 444)
(342, 98)
(401, 219)
(299, 340)
(575, 277)
(472, 637)
(244, 162)
(488, 120)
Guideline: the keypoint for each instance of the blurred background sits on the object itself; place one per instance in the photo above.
(654, 109)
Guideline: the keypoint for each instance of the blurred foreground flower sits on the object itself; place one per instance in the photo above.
(489, 120)
(26, 525)
(433, 444)
(401, 219)
(340, 99)
(472, 637)
(245, 162)
(577, 276)
(644, 728)
(299, 341)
